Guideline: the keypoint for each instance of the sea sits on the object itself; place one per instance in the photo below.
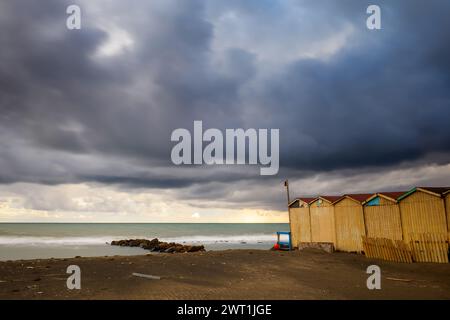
(65, 240)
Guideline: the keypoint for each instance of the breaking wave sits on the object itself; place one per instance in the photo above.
(100, 240)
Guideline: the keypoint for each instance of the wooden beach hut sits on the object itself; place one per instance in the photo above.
(447, 210)
(423, 212)
(300, 220)
(322, 219)
(382, 216)
(424, 223)
(349, 222)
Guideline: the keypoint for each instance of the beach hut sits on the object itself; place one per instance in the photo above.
(423, 212)
(349, 222)
(382, 216)
(300, 220)
(322, 219)
(447, 209)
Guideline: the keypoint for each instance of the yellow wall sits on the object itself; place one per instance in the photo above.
(322, 222)
(300, 225)
(349, 225)
(383, 221)
(422, 213)
(447, 208)
(304, 225)
(293, 220)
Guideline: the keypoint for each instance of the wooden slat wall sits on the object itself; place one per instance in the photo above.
(349, 225)
(387, 249)
(429, 247)
(322, 222)
(383, 221)
(447, 208)
(295, 225)
(421, 220)
(304, 225)
(422, 213)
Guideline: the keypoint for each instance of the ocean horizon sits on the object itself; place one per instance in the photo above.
(26, 240)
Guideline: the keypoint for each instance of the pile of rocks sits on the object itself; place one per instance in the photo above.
(157, 246)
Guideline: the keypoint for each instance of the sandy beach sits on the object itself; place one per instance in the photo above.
(230, 274)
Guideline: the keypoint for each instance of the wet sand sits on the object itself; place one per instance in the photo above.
(230, 274)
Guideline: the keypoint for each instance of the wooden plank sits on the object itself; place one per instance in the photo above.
(433, 247)
(414, 247)
(423, 249)
(388, 250)
(147, 276)
(408, 252)
(437, 248)
(376, 248)
(426, 247)
(403, 253)
(429, 247)
(369, 247)
(407, 247)
(444, 248)
(365, 246)
(382, 251)
(397, 253)
(385, 249)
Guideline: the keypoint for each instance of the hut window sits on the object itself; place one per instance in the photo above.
(374, 202)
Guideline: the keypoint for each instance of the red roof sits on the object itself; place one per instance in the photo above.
(306, 199)
(393, 194)
(331, 198)
(360, 197)
(437, 190)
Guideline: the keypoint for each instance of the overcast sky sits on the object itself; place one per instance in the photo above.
(86, 115)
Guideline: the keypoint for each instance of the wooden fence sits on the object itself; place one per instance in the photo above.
(423, 247)
(429, 247)
(387, 249)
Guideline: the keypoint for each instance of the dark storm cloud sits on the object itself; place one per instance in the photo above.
(69, 114)
(380, 101)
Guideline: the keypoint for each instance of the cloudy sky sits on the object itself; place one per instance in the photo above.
(86, 115)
